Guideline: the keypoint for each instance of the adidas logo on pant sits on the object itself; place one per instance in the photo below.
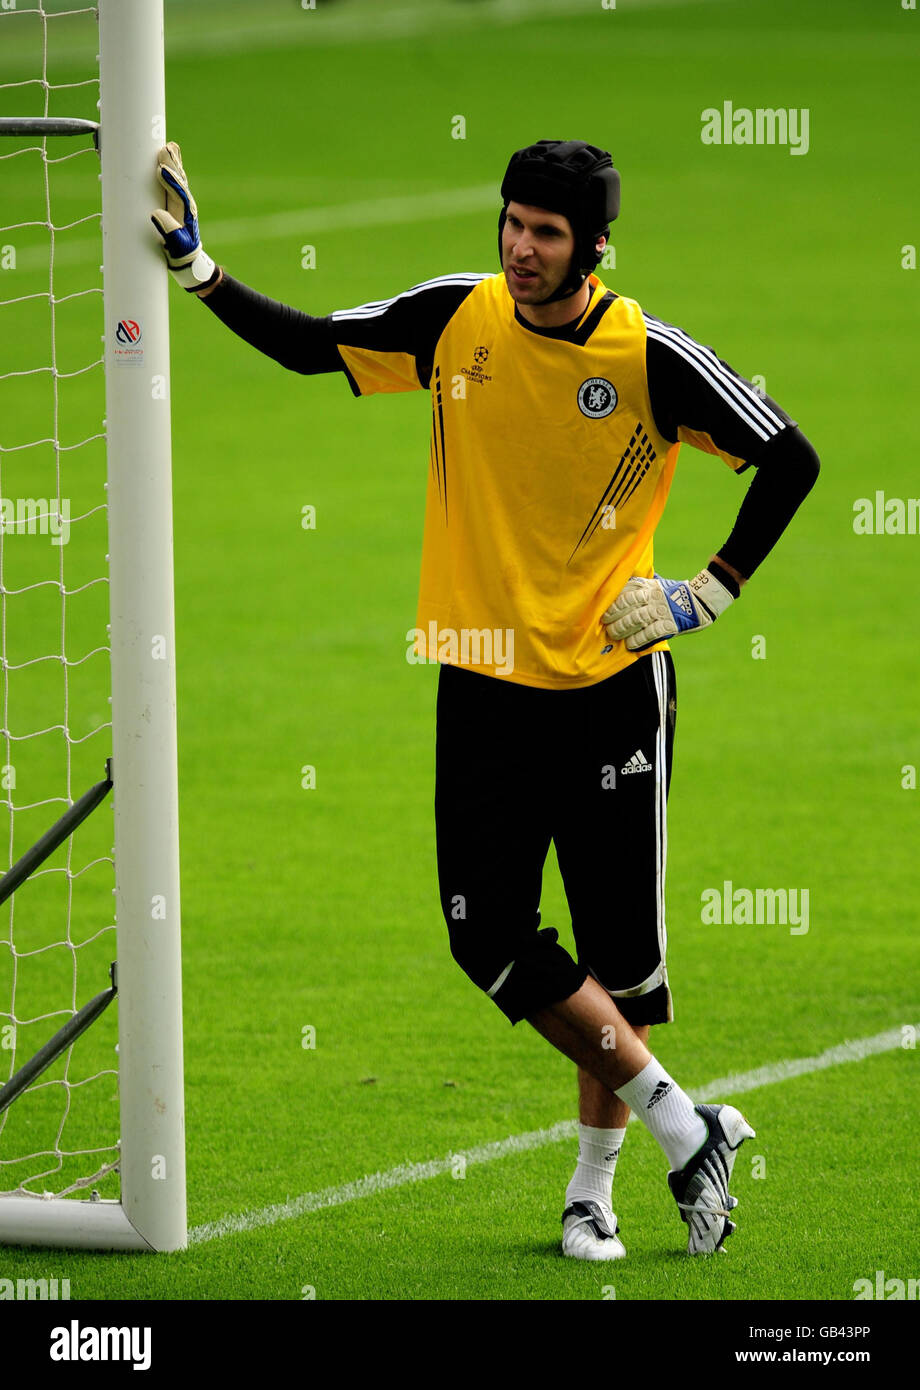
(637, 763)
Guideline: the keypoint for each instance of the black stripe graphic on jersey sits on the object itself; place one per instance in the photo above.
(588, 325)
(437, 382)
(631, 477)
(636, 458)
(644, 456)
(433, 452)
(639, 475)
(616, 473)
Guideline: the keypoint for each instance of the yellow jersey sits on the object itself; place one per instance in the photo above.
(551, 457)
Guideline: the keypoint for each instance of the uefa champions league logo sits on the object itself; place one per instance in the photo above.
(597, 397)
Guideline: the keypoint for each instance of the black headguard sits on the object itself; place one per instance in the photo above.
(571, 178)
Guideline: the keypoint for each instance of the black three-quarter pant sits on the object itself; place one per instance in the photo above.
(588, 769)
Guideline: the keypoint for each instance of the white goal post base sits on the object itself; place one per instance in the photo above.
(64, 1224)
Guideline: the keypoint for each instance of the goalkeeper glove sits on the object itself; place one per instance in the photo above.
(190, 265)
(651, 610)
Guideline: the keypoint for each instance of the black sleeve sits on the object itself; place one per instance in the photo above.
(699, 399)
(389, 343)
(296, 340)
(786, 473)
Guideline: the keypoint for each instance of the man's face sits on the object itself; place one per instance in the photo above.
(537, 250)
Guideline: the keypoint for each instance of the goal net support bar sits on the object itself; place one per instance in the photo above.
(52, 1049)
(54, 837)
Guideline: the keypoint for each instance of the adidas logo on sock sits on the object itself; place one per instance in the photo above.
(637, 763)
(659, 1093)
(608, 1158)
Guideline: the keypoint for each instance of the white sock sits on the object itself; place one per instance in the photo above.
(598, 1150)
(666, 1111)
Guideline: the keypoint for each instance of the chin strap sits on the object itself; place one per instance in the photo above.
(570, 285)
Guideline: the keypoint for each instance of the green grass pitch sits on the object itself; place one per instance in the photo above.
(318, 908)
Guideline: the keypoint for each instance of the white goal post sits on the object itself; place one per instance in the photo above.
(151, 1214)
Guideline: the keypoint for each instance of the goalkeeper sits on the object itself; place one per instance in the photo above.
(558, 408)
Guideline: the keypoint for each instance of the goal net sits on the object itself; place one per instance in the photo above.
(91, 1101)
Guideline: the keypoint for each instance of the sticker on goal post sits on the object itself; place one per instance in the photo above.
(129, 349)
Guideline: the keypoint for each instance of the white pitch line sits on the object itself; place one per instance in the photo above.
(376, 212)
(407, 1173)
(856, 1051)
